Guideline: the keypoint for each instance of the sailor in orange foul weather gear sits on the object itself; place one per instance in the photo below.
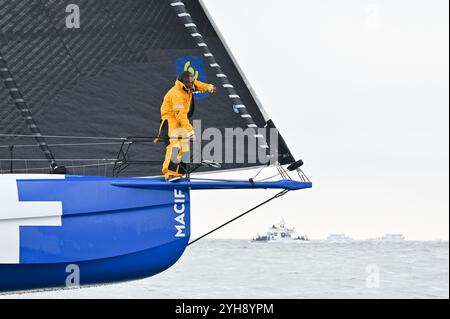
(177, 108)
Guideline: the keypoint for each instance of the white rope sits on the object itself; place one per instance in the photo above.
(62, 159)
(46, 168)
(57, 145)
(67, 137)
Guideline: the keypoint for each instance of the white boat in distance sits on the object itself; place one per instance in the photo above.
(280, 232)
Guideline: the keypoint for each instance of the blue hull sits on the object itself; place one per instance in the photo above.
(87, 230)
(134, 266)
(60, 231)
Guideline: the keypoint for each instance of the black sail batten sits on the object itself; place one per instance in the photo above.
(22, 106)
(108, 77)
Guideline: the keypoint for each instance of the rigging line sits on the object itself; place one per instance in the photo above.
(259, 172)
(281, 172)
(73, 166)
(60, 159)
(280, 194)
(57, 145)
(236, 180)
(218, 180)
(304, 175)
(67, 137)
(269, 178)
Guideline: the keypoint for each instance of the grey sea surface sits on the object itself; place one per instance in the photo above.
(318, 269)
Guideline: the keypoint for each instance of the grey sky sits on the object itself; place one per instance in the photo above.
(360, 91)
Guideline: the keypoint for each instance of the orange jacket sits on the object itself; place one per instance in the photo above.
(177, 103)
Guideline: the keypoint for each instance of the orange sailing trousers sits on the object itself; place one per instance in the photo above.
(177, 148)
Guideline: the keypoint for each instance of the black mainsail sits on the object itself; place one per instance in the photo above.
(80, 90)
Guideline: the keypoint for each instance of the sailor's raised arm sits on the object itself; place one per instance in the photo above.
(204, 87)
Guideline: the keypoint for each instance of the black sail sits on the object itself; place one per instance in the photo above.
(73, 93)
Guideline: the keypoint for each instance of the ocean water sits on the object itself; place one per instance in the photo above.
(317, 269)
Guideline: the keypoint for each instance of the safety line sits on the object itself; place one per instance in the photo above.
(66, 137)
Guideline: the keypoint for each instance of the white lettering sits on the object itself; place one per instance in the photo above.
(180, 219)
(179, 194)
(186, 309)
(73, 20)
(73, 280)
(180, 231)
(179, 209)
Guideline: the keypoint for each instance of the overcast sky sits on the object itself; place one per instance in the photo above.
(360, 91)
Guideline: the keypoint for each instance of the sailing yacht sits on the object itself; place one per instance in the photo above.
(80, 193)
